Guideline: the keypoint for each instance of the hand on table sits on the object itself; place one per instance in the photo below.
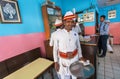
(82, 59)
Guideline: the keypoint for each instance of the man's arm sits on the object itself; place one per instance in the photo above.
(55, 50)
(80, 51)
(79, 30)
(107, 28)
(55, 54)
(51, 40)
(79, 48)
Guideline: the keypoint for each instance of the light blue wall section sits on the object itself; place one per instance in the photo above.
(88, 23)
(104, 11)
(79, 5)
(31, 16)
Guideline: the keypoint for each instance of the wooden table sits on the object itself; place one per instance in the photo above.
(32, 70)
(92, 42)
(89, 51)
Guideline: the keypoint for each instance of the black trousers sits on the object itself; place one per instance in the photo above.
(102, 44)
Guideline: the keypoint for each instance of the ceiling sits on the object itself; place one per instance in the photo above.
(102, 3)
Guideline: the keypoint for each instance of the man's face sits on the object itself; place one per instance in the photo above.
(68, 24)
(101, 19)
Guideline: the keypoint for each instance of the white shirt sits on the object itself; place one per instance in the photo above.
(51, 43)
(66, 42)
(77, 28)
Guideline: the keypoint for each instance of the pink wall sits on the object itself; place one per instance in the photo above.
(90, 30)
(13, 45)
(115, 31)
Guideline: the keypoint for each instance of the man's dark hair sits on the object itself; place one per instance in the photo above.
(58, 27)
(103, 16)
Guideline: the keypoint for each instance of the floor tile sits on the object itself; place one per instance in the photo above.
(109, 67)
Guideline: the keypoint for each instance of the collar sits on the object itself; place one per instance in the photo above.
(103, 22)
(66, 30)
(58, 29)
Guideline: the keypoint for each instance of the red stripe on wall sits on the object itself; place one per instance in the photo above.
(90, 30)
(13, 45)
(115, 31)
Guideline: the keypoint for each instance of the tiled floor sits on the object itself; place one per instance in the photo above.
(109, 67)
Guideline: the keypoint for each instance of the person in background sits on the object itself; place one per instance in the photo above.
(58, 25)
(109, 47)
(103, 31)
(76, 27)
(66, 48)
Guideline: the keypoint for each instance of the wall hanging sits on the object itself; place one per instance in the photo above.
(9, 11)
(88, 17)
(111, 14)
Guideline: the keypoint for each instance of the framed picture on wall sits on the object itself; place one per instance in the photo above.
(9, 12)
(88, 17)
(111, 14)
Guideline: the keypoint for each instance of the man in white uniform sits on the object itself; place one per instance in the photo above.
(66, 49)
(76, 28)
(58, 24)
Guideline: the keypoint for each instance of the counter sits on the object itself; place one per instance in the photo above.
(89, 51)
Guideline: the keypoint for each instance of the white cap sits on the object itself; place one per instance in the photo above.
(58, 22)
(69, 15)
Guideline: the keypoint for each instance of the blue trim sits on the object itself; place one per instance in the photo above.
(104, 11)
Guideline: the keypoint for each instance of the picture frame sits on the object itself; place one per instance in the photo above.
(9, 12)
(111, 14)
(88, 17)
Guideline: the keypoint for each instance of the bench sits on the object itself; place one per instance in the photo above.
(10, 65)
(31, 71)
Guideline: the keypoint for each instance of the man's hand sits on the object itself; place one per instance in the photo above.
(57, 66)
(82, 59)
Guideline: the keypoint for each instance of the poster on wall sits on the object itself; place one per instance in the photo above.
(88, 17)
(9, 12)
(111, 14)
